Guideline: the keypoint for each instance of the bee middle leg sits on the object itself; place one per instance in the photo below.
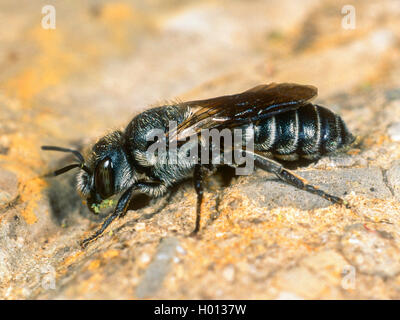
(198, 177)
(292, 178)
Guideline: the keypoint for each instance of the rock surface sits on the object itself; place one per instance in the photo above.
(259, 238)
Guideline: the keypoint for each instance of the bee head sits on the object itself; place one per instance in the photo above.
(106, 171)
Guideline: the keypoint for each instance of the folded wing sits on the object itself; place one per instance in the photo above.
(249, 106)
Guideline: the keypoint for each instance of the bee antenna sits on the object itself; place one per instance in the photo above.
(76, 153)
(65, 169)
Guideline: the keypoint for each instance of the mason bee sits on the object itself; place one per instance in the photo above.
(283, 123)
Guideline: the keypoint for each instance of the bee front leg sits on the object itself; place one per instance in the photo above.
(152, 188)
(120, 209)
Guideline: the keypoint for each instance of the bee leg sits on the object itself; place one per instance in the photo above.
(198, 186)
(152, 188)
(119, 210)
(292, 178)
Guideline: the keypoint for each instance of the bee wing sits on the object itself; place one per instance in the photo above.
(252, 105)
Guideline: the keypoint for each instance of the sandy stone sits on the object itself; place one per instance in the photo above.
(8, 187)
(260, 238)
(329, 264)
(393, 178)
(371, 251)
(301, 282)
(271, 193)
(158, 268)
(394, 131)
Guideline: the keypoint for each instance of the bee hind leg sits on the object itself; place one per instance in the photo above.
(292, 178)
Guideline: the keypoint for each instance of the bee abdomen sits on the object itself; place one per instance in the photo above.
(308, 132)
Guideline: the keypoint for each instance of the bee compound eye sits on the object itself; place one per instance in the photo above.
(104, 178)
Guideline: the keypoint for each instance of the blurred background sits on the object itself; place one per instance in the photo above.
(75, 70)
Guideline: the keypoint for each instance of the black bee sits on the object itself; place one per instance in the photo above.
(283, 122)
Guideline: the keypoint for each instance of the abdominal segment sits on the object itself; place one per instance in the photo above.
(308, 132)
